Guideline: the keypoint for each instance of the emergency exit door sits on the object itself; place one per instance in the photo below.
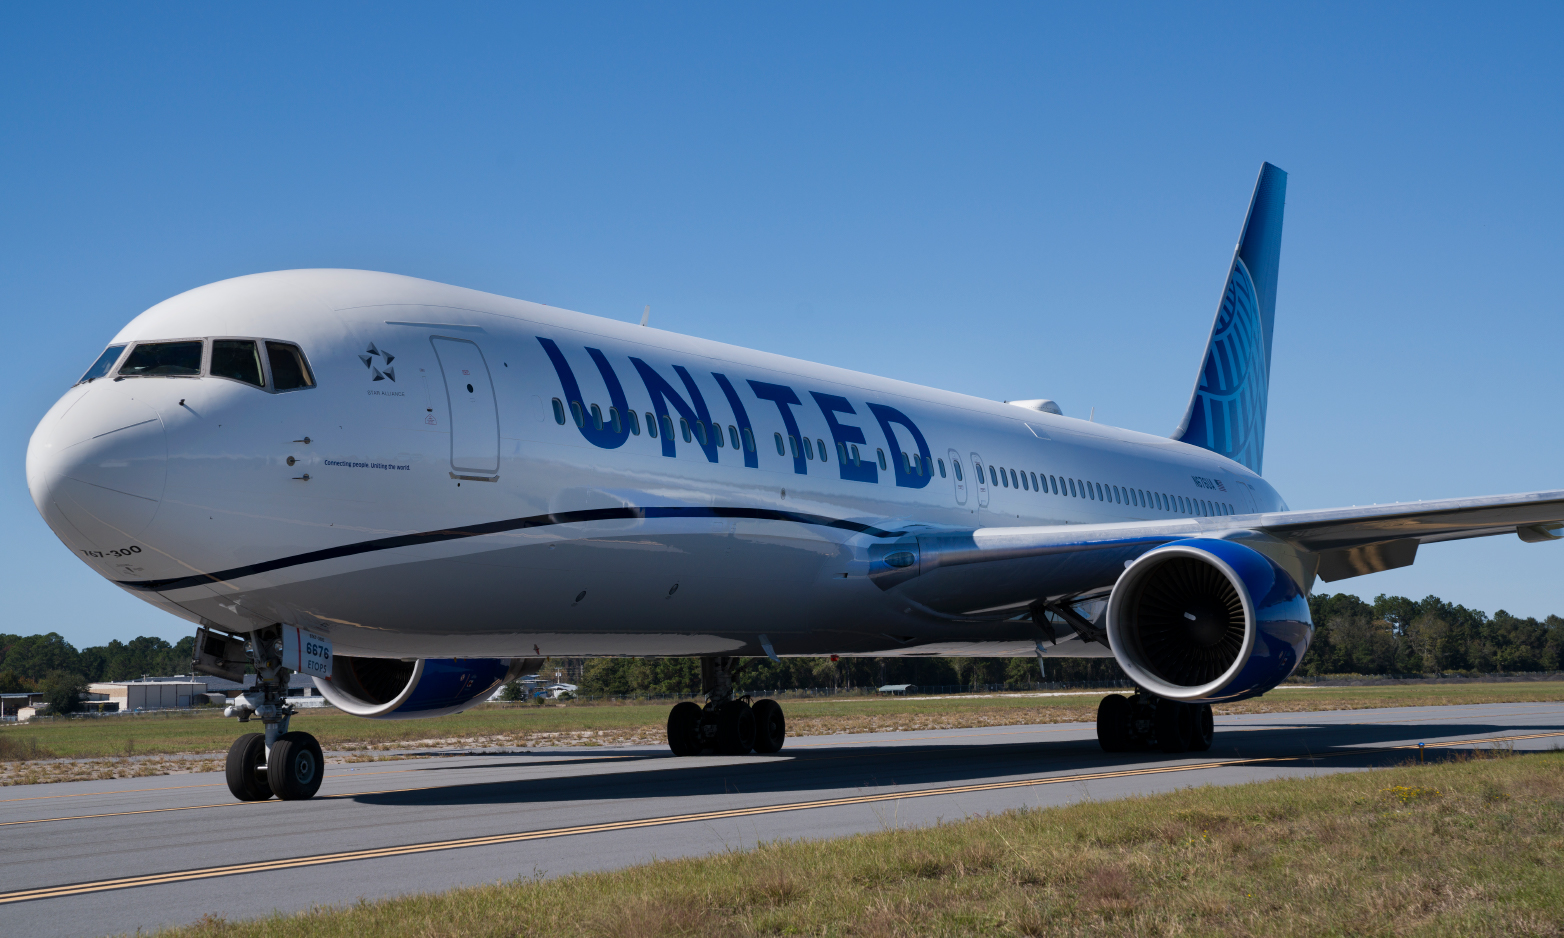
(475, 421)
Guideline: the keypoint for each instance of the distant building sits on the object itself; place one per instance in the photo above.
(11, 705)
(152, 694)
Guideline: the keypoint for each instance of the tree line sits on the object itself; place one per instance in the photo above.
(1391, 635)
(52, 666)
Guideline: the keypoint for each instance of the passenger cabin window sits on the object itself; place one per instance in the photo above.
(956, 465)
(239, 359)
(717, 435)
(103, 365)
(684, 428)
(163, 360)
(941, 464)
(809, 448)
(577, 414)
(635, 422)
(651, 425)
(820, 445)
(733, 435)
(667, 426)
(289, 370)
(781, 447)
(614, 420)
(749, 441)
(597, 417)
(882, 459)
(559, 412)
(700, 432)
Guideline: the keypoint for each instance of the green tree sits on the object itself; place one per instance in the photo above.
(62, 691)
(13, 683)
(33, 656)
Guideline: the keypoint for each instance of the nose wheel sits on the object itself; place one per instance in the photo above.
(276, 762)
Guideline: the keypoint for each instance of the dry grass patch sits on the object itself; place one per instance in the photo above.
(1363, 853)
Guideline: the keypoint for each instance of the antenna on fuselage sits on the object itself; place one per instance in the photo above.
(646, 314)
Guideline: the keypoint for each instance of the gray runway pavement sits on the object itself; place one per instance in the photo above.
(97, 858)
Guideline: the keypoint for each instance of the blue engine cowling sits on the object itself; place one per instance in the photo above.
(1204, 621)
(397, 689)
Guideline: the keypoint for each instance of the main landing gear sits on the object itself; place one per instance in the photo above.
(1146, 722)
(727, 725)
(275, 762)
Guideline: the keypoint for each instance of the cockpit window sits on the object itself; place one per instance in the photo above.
(103, 365)
(162, 359)
(239, 359)
(288, 368)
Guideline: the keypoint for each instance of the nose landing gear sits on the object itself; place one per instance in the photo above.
(277, 762)
(728, 725)
(1142, 721)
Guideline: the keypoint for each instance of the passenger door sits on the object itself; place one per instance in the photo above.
(980, 472)
(475, 423)
(958, 476)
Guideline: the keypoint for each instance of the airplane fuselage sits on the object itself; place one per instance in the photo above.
(471, 475)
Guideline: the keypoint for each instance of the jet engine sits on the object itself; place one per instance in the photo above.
(1206, 621)
(403, 689)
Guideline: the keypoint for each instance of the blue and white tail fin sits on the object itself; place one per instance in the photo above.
(1226, 412)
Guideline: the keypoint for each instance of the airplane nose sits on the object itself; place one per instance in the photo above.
(96, 471)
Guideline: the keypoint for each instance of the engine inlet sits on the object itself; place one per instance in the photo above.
(1188, 621)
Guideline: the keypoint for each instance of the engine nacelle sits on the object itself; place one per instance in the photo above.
(397, 689)
(1205, 620)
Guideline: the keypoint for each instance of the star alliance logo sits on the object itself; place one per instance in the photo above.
(383, 370)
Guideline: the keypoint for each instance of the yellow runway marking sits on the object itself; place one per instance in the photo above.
(291, 863)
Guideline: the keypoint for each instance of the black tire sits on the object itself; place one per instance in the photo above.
(770, 726)
(1204, 729)
(245, 779)
(684, 722)
(295, 767)
(1113, 723)
(1175, 724)
(735, 728)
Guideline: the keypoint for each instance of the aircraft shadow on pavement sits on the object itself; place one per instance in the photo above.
(837, 771)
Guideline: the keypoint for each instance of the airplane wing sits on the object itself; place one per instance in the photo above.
(1355, 541)
(995, 573)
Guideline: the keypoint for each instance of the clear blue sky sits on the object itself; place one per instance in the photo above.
(1013, 202)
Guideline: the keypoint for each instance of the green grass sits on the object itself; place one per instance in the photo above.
(1473, 847)
(205, 731)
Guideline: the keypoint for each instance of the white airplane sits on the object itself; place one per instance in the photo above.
(412, 491)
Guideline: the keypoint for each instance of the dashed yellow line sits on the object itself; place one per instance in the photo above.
(291, 863)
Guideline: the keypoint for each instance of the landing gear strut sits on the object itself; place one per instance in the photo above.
(275, 762)
(1144, 722)
(728, 725)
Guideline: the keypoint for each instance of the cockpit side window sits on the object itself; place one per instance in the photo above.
(289, 370)
(239, 359)
(163, 359)
(103, 365)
